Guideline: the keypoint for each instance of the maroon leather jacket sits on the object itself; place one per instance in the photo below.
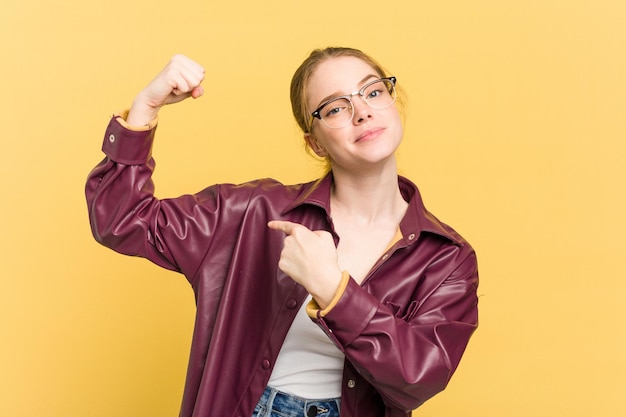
(403, 330)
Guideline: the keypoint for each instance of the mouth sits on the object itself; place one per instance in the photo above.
(369, 134)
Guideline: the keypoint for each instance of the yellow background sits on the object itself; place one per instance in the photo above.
(515, 134)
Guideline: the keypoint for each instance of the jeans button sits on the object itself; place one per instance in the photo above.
(312, 411)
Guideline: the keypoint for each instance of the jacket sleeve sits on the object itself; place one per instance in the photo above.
(408, 360)
(126, 216)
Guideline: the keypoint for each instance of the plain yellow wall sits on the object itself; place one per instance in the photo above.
(515, 134)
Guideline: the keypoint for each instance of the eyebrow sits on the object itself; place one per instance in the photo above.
(338, 94)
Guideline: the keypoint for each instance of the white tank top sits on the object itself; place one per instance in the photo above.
(309, 365)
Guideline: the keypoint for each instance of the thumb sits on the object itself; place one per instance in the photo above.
(197, 91)
(176, 96)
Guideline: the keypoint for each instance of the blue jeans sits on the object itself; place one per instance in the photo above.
(274, 403)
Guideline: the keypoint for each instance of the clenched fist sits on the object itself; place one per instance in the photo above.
(180, 79)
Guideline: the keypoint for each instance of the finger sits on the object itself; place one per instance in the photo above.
(192, 77)
(182, 74)
(323, 234)
(179, 86)
(181, 89)
(197, 92)
(187, 63)
(284, 226)
(177, 98)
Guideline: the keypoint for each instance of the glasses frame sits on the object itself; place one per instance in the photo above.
(361, 92)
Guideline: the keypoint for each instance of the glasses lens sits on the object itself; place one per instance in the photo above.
(380, 94)
(336, 113)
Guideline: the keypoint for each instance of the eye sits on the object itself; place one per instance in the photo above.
(375, 90)
(374, 93)
(334, 111)
(335, 108)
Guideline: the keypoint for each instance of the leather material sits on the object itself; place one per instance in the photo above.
(403, 330)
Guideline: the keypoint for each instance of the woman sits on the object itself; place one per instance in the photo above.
(343, 293)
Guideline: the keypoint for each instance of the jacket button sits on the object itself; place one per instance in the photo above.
(291, 304)
(412, 236)
(111, 138)
(266, 364)
(351, 383)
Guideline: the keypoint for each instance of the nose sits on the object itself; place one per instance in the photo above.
(362, 110)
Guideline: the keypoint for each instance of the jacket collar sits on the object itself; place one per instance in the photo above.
(316, 193)
(416, 220)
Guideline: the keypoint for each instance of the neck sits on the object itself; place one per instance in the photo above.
(368, 196)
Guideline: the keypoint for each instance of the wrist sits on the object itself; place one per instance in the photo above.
(315, 310)
(327, 290)
(141, 113)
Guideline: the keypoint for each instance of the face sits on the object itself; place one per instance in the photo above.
(372, 136)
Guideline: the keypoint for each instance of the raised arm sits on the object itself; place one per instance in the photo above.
(123, 211)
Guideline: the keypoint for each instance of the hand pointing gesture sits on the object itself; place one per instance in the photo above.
(309, 258)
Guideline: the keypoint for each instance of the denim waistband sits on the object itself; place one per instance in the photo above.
(274, 403)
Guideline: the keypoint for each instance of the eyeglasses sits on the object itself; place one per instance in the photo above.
(339, 111)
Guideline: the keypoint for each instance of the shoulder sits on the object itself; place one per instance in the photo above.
(258, 191)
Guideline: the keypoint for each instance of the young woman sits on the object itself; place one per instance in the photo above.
(340, 294)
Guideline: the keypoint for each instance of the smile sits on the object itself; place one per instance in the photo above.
(369, 134)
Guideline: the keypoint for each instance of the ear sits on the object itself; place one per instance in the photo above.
(315, 146)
